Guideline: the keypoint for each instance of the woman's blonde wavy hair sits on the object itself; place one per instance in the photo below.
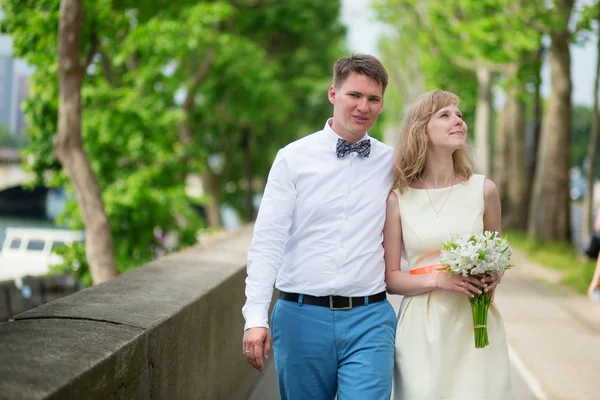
(411, 151)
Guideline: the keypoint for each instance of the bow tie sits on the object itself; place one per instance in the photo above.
(363, 148)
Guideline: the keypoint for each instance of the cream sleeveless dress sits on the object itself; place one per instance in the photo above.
(436, 356)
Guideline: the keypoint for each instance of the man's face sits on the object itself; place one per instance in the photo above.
(356, 105)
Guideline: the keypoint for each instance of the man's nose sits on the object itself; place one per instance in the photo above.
(363, 105)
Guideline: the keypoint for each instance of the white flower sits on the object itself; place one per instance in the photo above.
(474, 254)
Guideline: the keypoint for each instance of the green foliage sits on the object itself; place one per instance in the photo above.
(436, 69)
(128, 135)
(75, 262)
(305, 37)
(466, 32)
(269, 70)
(440, 73)
(443, 42)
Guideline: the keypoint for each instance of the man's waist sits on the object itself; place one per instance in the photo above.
(322, 288)
(332, 301)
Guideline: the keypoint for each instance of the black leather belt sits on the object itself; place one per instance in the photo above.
(333, 302)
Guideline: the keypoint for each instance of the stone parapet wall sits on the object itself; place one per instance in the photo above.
(169, 330)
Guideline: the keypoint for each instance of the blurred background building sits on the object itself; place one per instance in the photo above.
(14, 87)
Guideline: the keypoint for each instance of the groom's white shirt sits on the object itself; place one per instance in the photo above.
(319, 226)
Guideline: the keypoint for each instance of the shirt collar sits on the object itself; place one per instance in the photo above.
(331, 137)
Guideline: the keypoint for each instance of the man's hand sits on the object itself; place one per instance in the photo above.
(256, 345)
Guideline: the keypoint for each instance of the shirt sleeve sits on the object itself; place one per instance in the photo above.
(271, 231)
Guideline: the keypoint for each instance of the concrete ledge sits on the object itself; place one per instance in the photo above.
(169, 330)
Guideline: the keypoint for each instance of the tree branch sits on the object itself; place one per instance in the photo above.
(201, 74)
(89, 57)
(107, 70)
(188, 103)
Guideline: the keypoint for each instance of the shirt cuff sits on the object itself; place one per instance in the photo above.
(256, 317)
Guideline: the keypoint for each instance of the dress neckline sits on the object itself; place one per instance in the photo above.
(443, 188)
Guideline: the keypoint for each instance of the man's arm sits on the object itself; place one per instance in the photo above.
(265, 256)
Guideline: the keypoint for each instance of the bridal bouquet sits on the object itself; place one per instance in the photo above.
(477, 254)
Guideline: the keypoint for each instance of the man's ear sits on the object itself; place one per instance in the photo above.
(381, 108)
(331, 94)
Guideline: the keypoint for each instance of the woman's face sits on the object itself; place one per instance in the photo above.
(446, 129)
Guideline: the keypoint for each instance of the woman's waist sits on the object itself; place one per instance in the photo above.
(424, 260)
(426, 269)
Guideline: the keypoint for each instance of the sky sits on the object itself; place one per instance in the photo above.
(363, 32)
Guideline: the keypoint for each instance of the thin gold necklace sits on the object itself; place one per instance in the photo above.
(437, 212)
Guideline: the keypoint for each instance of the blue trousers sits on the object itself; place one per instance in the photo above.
(320, 352)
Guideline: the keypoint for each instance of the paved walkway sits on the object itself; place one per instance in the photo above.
(554, 332)
(553, 335)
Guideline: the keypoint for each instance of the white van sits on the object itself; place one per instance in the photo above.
(28, 251)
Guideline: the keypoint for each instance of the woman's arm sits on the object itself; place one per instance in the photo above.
(399, 282)
(492, 212)
(492, 221)
(595, 282)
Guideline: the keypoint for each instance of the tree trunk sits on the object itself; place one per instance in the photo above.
(516, 215)
(483, 120)
(536, 131)
(211, 184)
(550, 214)
(247, 156)
(189, 103)
(68, 146)
(592, 148)
(501, 176)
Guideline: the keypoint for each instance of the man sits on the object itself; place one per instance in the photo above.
(318, 238)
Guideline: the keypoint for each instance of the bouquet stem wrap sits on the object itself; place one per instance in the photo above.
(480, 304)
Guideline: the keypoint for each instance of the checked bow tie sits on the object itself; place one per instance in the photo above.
(344, 148)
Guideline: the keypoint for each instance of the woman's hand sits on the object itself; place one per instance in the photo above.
(468, 285)
(492, 280)
(593, 286)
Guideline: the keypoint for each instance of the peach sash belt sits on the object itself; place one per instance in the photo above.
(426, 270)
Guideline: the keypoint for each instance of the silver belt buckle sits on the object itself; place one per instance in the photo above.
(331, 307)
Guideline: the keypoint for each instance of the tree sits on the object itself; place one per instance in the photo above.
(305, 37)
(549, 217)
(69, 147)
(480, 36)
(592, 14)
(536, 122)
(129, 138)
(512, 173)
(422, 71)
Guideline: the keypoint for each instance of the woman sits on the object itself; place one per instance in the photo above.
(436, 194)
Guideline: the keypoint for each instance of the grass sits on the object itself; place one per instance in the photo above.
(561, 256)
